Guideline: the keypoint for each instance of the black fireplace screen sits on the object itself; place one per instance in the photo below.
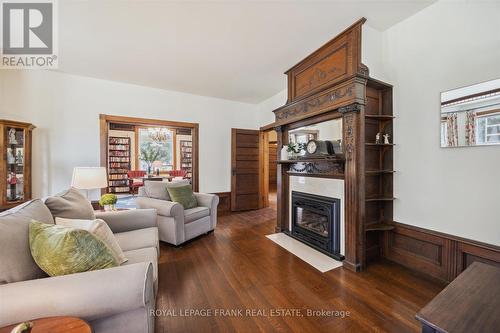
(312, 221)
(316, 222)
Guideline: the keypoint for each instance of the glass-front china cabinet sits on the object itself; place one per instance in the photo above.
(15, 164)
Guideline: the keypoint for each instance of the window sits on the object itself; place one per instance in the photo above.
(156, 148)
(488, 128)
(444, 133)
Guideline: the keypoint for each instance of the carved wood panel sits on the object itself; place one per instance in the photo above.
(328, 69)
(335, 61)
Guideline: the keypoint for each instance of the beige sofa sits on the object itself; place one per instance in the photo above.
(177, 225)
(112, 300)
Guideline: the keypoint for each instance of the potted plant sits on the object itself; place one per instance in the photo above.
(108, 201)
(295, 149)
(149, 154)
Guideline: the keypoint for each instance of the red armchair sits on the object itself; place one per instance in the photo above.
(133, 175)
(177, 173)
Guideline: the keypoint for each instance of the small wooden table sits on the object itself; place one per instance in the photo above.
(470, 303)
(55, 325)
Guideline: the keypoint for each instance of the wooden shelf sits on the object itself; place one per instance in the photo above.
(378, 172)
(379, 144)
(379, 116)
(380, 199)
(339, 158)
(383, 226)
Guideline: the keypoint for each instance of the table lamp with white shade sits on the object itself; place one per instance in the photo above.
(89, 178)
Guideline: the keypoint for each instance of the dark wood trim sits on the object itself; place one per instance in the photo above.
(103, 134)
(435, 254)
(264, 168)
(27, 171)
(224, 206)
(445, 103)
(268, 127)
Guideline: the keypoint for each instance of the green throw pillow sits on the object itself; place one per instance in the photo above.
(60, 250)
(184, 195)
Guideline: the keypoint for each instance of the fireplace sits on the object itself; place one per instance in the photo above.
(316, 222)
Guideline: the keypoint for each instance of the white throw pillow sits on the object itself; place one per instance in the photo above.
(98, 228)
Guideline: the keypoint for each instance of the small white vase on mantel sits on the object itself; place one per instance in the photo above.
(284, 153)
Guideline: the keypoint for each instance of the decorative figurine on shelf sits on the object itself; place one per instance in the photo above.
(12, 136)
(10, 156)
(378, 138)
(11, 178)
(19, 157)
(386, 139)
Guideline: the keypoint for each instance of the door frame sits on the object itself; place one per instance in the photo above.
(264, 164)
(105, 119)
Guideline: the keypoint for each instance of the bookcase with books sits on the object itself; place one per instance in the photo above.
(187, 157)
(119, 164)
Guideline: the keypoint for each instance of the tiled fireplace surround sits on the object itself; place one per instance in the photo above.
(327, 187)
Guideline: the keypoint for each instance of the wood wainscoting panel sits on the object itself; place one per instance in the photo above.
(224, 206)
(468, 253)
(417, 250)
(436, 254)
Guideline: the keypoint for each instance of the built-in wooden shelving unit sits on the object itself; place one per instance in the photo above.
(187, 157)
(119, 164)
(378, 118)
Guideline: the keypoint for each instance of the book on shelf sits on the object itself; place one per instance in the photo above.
(119, 164)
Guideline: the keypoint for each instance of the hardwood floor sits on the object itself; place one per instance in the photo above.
(238, 268)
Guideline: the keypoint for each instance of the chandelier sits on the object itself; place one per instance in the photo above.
(158, 134)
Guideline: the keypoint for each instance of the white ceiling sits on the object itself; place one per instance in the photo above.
(235, 50)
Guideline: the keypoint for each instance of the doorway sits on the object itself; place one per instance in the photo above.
(138, 149)
(269, 157)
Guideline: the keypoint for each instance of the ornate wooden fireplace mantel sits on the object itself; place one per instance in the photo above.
(333, 83)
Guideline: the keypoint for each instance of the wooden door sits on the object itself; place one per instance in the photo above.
(245, 179)
(273, 147)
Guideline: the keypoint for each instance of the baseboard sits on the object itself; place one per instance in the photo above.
(436, 254)
(224, 203)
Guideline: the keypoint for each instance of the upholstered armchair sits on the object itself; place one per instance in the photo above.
(176, 224)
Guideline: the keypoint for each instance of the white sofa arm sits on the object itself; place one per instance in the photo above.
(211, 201)
(162, 207)
(207, 200)
(128, 220)
(89, 295)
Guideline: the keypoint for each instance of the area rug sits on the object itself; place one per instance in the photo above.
(127, 202)
(316, 259)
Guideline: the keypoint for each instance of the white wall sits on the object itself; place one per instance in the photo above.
(65, 108)
(452, 190)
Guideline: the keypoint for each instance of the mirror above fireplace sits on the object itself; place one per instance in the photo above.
(330, 130)
(470, 116)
